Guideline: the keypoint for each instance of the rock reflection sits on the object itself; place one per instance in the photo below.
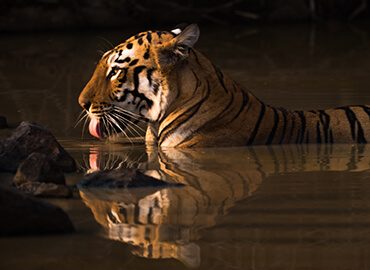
(168, 223)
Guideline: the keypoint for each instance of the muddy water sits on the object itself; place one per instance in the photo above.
(280, 207)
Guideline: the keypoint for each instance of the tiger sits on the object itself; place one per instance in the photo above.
(173, 222)
(159, 77)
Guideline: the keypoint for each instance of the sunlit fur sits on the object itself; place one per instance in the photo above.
(191, 103)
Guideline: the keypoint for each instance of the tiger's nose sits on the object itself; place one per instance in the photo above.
(84, 103)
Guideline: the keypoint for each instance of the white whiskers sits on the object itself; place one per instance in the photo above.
(82, 117)
(128, 113)
(115, 121)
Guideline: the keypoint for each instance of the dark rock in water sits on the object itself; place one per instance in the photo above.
(122, 178)
(49, 190)
(3, 122)
(24, 215)
(28, 138)
(39, 167)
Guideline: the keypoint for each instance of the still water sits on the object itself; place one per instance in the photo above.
(279, 207)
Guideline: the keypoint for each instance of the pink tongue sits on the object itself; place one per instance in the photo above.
(94, 128)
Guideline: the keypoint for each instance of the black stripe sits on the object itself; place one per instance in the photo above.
(111, 73)
(197, 80)
(300, 138)
(137, 70)
(245, 103)
(284, 113)
(220, 77)
(149, 73)
(149, 37)
(159, 33)
(226, 108)
(292, 128)
(220, 115)
(123, 212)
(137, 214)
(325, 121)
(366, 109)
(139, 35)
(255, 130)
(136, 92)
(134, 62)
(273, 131)
(124, 95)
(318, 132)
(353, 121)
(146, 54)
(196, 57)
(123, 78)
(127, 59)
(183, 118)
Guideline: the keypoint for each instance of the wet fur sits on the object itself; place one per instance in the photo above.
(191, 103)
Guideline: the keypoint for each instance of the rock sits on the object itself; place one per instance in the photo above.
(39, 167)
(24, 215)
(46, 190)
(121, 178)
(3, 122)
(28, 138)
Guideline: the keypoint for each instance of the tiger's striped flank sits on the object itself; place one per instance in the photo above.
(158, 76)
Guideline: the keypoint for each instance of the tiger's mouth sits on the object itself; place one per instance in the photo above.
(105, 128)
(102, 129)
(96, 128)
(114, 123)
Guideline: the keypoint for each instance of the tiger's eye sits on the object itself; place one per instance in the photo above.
(111, 73)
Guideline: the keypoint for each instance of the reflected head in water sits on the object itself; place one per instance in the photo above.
(159, 76)
(168, 223)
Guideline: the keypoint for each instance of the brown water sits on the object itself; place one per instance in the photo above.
(280, 207)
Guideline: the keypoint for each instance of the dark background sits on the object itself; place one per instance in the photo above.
(298, 54)
(21, 15)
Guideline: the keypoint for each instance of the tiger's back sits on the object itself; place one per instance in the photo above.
(233, 116)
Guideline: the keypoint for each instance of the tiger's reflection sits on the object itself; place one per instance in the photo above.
(166, 223)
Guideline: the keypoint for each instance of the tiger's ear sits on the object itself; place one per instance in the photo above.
(178, 48)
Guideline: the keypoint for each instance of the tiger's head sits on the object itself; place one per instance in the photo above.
(130, 82)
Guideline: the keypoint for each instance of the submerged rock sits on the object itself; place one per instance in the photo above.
(29, 138)
(3, 122)
(39, 167)
(121, 178)
(49, 190)
(24, 215)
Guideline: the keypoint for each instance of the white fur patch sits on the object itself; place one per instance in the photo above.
(176, 31)
(146, 89)
(153, 173)
(175, 138)
(115, 56)
(111, 57)
(126, 53)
